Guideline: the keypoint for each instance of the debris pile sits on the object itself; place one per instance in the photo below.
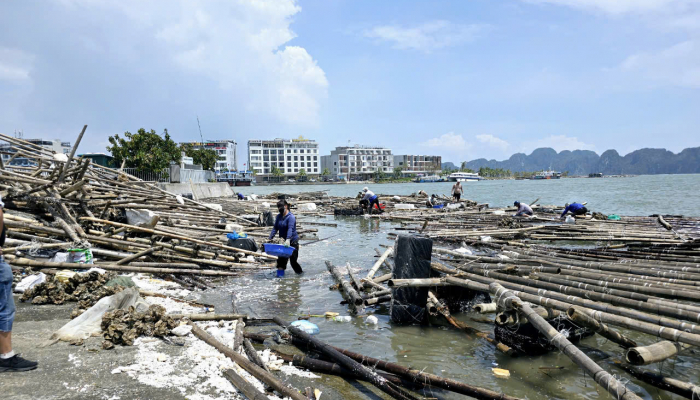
(85, 288)
(122, 327)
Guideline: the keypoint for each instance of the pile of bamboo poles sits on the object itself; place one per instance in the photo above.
(58, 204)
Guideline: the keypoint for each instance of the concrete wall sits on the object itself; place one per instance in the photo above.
(199, 190)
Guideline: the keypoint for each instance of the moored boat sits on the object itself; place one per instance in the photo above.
(464, 177)
(549, 174)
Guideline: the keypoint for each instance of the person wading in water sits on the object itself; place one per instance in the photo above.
(286, 225)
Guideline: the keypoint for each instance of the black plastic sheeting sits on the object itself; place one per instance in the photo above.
(243, 243)
(526, 339)
(266, 219)
(411, 261)
(348, 211)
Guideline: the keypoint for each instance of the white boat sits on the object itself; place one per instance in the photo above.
(549, 174)
(464, 177)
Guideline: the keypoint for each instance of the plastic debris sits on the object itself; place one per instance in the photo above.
(501, 373)
(182, 330)
(372, 320)
(306, 326)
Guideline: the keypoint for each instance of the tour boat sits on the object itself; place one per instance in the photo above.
(464, 177)
(547, 175)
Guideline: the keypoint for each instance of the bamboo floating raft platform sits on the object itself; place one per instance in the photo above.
(544, 285)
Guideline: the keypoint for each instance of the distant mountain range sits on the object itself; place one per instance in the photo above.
(583, 162)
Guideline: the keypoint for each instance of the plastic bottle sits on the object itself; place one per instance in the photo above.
(341, 318)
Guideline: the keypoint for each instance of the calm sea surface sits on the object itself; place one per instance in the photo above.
(637, 195)
(442, 350)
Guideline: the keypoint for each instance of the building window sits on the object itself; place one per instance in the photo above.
(301, 151)
(315, 158)
(296, 164)
(289, 158)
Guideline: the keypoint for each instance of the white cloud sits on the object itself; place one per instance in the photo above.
(15, 65)
(558, 143)
(677, 65)
(241, 45)
(617, 7)
(493, 141)
(426, 37)
(448, 141)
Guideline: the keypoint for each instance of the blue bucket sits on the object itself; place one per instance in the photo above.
(278, 250)
(439, 206)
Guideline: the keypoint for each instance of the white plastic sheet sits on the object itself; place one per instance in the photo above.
(88, 323)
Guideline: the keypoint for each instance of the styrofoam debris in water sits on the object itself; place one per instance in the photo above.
(277, 364)
(463, 250)
(485, 238)
(372, 320)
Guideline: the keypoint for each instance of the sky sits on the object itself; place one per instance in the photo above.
(460, 79)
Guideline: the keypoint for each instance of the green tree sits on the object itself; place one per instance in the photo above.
(397, 172)
(145, 151)
(326, 172)
(276, 172)
(379, 175)
(463, 166)
(207, 158)
(301, 175)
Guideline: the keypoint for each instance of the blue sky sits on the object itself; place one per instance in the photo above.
(462, 79)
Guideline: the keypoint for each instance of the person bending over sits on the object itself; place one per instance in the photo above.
(575, 209)
(523, 209)
(372, 198)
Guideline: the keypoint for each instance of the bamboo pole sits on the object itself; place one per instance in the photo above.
(252, 369)
(379, 262)
(509, 300)
(127, 260)
(352, 295)
(345, 361)
(175, 236)
(600, 328)
(244, 386)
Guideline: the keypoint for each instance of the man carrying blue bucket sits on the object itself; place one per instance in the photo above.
(286, 225)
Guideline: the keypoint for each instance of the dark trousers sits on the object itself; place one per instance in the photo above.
(282, 262)
(457, 196)
(372, 203)
(581, 211)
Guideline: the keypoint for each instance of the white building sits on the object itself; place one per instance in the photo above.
(290, 156)
(412, 164)
(55, 145)
(225, 149)
(358, 162)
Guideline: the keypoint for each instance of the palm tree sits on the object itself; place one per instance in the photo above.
(276, 172)
(301, 175)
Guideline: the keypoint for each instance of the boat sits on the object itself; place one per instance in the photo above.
(549, 174)
(595, 175)
(428, 179)
(464, 177)
(236, 178)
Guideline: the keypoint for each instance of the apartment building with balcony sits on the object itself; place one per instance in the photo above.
(411, 164)
(358, 162)
(289, 156)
